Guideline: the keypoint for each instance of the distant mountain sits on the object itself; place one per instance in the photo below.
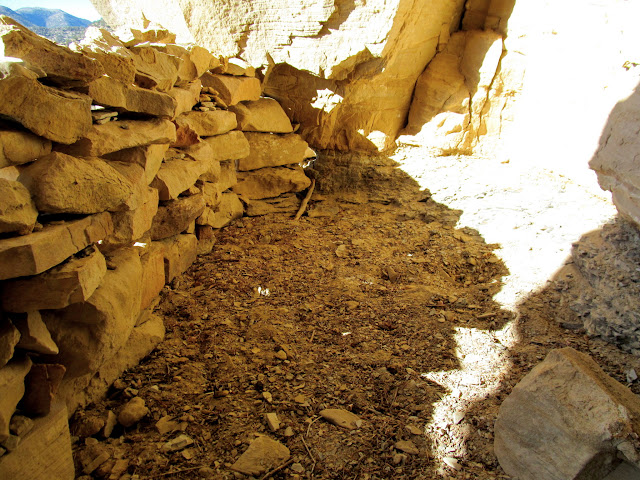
(16, 16)
(50, 18)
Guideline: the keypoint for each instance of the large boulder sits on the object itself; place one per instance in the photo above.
(615, 161)
(567, 420)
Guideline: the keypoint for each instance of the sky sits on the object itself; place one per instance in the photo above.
(78, 8)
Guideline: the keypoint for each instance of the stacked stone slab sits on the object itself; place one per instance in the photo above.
(119, 158)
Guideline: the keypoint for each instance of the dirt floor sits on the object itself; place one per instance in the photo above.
(375, 303)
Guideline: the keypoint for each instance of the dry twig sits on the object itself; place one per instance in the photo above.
(303, 205)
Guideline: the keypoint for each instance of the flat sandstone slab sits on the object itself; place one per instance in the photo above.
(34, 253)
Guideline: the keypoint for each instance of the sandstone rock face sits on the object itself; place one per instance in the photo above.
(17, 210)
(54, 114)
(566, 418)
(61, 183)
(453, 93)
(37, 252)
(615, 160)
(72, 282)
(41, 386)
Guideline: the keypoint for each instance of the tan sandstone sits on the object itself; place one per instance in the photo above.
(108, 92)
(55, 114)
(20, 146)
(89, 333)
(9, 338)
(121, 134)
(179, 253)
(12, 388)
(208, 124)
(39, 251)
(268, 150)
(232, 89)
(71, 282)
(148, 157)
(262, 115)
(34, 336)
(175, 216)
(229, 208)
(17, 210)
(62, 183)
(270, 182)
(59, 63)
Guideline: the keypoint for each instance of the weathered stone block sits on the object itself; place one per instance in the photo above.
(212, 193)
(148, 157)
(232, 89)
(45, 452)
(61, 183)
(262, 115)
(228, 175)
(17, 210)
(59, 63)
(110, 52)
(267, 150)
(288, 204)
(206, 239)
(71, 282)
(195, 60)
(111, 93)
(154, 69)
(34, 336)
(179, 253)
(37, 252)
(9, 338)
(90, 332)
(615, 159)
(270, 182)
(229, 209)
(208, 124)
(230, 146)
(41, 385)
(262, 455)
(186, 97)
(121, 134)
(174, 216)
(20, 146)
(567, 418)
(132, 225)
(180, 171)
(58, 115)
(12, 388)
(152, 275)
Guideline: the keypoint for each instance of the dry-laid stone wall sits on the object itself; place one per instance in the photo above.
(119, 158)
